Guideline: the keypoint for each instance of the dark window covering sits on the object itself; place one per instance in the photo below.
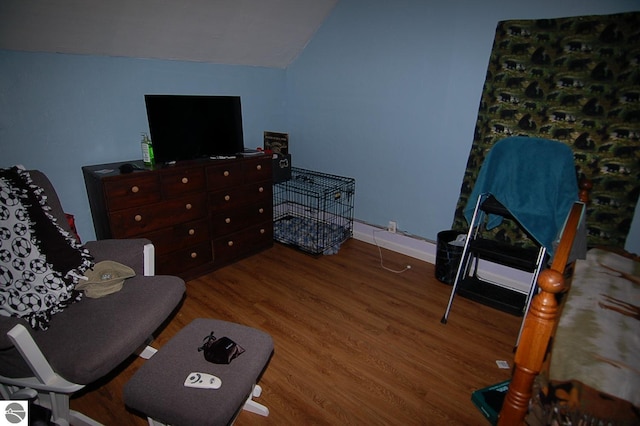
(575, 80)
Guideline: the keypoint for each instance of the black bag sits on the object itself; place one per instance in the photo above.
(220, 351)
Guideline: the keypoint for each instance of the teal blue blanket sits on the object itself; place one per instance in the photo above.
(535, 179)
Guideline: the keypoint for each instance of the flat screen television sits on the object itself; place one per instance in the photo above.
(187, 127)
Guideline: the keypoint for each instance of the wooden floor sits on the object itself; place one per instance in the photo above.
(354, 343)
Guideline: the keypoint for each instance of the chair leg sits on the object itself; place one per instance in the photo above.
(253, 406)
(464, 257)
(6, 391)
(542, 254)
(58, 404)
(61, 414)
(147, 352)
(257, 391)
(153, 422)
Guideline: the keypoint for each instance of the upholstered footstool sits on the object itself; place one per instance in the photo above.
(157, 389)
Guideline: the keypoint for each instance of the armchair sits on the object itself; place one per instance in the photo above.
(91, 337)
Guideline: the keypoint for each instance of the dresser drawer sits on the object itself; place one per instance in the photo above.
(180, 236)
(200, 215)
(256, 169)
(176, 263)
(180, 182)
(259, 192)
(244, 242)
(143, 219)
(232, 198)
(138, 190)
(224, 175)
(223, 224)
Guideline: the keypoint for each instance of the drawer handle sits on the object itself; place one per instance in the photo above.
(185, 180)
(227, 197)
(227, 220)
(135, 189)
(188, 206)
(260, 210)
(261, 189)
(230, 243)
(262, 231)
(259, 167)
(226, 173)
(194, 255)
(192, 231)
(137, 218)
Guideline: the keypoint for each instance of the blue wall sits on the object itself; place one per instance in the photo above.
(386, 92)
(61, 112)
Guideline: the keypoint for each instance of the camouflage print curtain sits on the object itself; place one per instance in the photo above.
(575, 80)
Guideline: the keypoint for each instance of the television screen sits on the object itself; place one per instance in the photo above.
(187, 127)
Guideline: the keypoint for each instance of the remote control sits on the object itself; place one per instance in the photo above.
(202, 381)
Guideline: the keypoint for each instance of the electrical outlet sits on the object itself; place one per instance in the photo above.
(393, 226)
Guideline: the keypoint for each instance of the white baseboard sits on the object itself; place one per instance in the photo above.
(426, 250)
(410, 246)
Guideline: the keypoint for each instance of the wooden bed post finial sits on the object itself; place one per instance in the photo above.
(585, 186)
(539, 326)
(530, 354)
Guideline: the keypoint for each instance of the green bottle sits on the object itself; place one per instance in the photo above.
(147, 151)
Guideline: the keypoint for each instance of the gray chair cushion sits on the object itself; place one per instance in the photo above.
(91, 337)
(157, 389)
(126, 251)
(41, 180)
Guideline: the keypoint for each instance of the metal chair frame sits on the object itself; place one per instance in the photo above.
(467, 258)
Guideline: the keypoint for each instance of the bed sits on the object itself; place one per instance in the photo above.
(578, 361)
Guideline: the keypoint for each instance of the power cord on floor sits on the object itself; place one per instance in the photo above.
(406, 268)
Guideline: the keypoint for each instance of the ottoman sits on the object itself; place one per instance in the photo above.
(157, 389)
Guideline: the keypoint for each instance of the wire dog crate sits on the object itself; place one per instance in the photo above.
(313, 211)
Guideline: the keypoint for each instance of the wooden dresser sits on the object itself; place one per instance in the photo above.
(200, 215)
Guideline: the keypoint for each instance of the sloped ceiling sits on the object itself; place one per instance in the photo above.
(266, 33)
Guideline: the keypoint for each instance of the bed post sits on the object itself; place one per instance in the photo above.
(538, 327)
(585, 185)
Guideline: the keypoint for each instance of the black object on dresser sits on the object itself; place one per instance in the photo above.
(200, 215)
